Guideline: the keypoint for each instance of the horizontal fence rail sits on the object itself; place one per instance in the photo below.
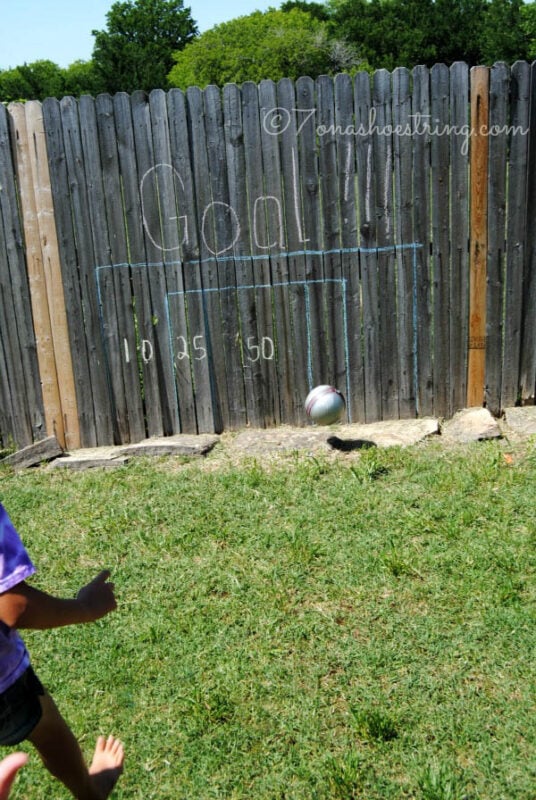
(198, 261)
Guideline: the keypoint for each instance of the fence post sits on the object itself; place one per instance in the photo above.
(476, 367)
(43, 264)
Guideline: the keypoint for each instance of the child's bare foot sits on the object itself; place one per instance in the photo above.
(107, 765)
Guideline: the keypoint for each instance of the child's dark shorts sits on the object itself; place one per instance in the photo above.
(20, 708)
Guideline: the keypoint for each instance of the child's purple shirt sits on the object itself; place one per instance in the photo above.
(15, 566)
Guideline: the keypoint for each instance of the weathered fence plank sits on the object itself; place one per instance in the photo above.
(161, 395)
(70, 202)
(189, 337)
(405, 278)
(247, 342)
(476, 367)
(226, 227)
(335, 287)
(385, 239)
(527, 380)
(353, 381)
(297, 291)
(113, 285)
(308, 130)
(516, 230)
(364, 120)
(133, 265)
(54, 423)
(497, 182)
(212, 335)
(279, 268)
(440, 197)
(421, 143)
(21, 409)
(459, 237)
(263, 207)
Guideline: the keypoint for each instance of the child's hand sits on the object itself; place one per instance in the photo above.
(97, 597)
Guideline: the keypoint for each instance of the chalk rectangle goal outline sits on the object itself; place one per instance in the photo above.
(394, 248)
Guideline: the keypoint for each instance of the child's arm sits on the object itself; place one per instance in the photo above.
(26, 607)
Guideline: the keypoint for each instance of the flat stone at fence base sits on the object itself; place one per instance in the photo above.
(521, 420)
(391, 433)
(43, 450)
(119, 455)
(181, 444)
(81, 461)
(344, 438)
(471, 425)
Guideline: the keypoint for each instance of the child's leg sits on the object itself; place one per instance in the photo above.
(62, 756)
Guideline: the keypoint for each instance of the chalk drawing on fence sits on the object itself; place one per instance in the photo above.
(188, 346)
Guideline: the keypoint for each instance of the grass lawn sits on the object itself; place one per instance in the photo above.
(314, 629)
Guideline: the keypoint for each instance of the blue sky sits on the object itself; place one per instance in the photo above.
(60, 30)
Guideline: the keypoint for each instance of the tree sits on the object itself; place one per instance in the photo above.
(393, 33)
(528, 26)
(136, 50)
(34, 81)
(80, 78)
(317, 10)
(503, 38)
(272, 44)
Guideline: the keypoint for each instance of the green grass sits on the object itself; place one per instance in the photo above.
(358, 628)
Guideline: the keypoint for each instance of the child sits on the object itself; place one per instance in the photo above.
(27, 711)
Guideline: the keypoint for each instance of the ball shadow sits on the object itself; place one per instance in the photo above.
(347, 445)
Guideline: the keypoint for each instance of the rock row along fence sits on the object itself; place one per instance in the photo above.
(194, 262)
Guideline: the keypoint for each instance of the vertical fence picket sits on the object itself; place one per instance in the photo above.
(75, 296)
(212, 335)
(307, 130)
(32, 214)
(459, 237)
(189, 334)
(114, 289)
(270, 132)
(516, 230)
(405, 287)
(297, 291)
(226, 228)
(161, 408)
(352, 351)
(335, 286)
(440, 196)
(20, 391)
(249, 344)
(385, 239)
(479, 193)
(421, 143)
(528, 350)
(263, 207)
(368, 254)
(497, 183)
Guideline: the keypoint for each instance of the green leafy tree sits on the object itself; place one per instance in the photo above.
(272, 44)
(80, 78)
(34, 81)
(317, 10)
(528, 26)
(503, 37)
(136, 49)
(392, 33)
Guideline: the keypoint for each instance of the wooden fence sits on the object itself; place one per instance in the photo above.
(198, 261)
